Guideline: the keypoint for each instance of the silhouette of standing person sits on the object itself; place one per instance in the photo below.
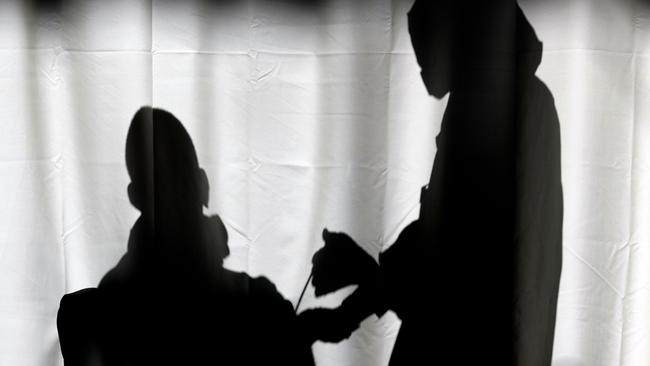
(169, 300)
(475, 279)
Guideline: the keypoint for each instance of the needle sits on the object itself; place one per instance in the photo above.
(303, 292)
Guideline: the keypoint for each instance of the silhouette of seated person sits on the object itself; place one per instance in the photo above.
(474, 279)
(169, 300)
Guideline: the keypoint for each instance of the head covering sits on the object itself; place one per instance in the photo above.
(451, 36)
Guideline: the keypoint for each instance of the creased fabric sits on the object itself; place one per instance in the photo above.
(303, 117)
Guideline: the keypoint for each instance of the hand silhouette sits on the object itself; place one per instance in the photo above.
(341, 262)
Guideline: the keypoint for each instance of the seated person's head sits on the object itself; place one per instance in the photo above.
(163, 167)
(170, 189)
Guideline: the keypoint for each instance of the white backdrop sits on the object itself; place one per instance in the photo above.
(304, 118)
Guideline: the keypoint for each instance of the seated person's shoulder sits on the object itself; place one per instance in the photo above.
(78, 319)
(262, 286)
(81, 299)
(82, 308)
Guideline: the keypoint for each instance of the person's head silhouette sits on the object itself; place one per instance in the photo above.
(460, 43)
(170, 189)
(163, 166)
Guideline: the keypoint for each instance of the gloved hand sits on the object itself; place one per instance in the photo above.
(340, 263)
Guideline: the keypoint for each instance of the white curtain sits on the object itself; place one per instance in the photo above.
(303, 117)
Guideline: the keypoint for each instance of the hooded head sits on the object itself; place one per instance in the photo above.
(458, 41)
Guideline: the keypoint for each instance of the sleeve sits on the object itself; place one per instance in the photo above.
(284, 344)
(396, 266)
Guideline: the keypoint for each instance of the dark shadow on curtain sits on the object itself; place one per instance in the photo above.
(475, 279)
(299, 4)
(169, 300)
